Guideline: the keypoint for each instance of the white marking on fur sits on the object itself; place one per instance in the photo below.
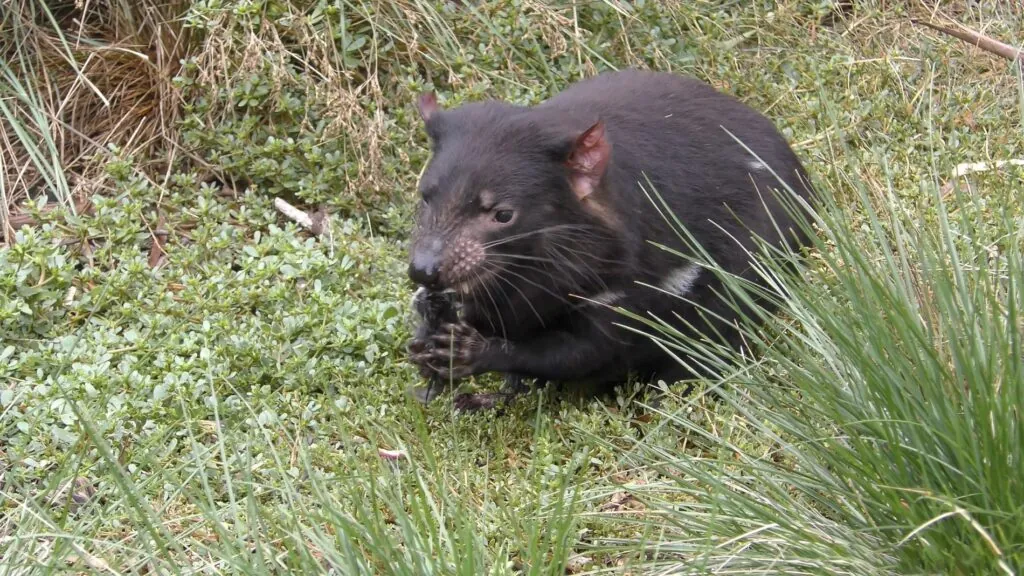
(681, 280)
(608, 297)
(756, 165)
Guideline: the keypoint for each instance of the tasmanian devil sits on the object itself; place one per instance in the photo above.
(539, 219)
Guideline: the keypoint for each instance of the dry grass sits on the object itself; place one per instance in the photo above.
(79, 78)
(397, 45)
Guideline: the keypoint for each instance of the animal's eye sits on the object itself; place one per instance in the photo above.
(503, 216)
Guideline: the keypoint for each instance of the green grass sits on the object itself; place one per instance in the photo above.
(222, 412)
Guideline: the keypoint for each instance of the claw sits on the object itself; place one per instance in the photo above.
(445, 338)
(439, 340)
(446, 372)
(441, 352)
(421, 358)
(459, 356)
(416, 346)
(458, 347)
(460, 328)
(426, 394)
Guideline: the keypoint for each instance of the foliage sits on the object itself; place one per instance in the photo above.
(189, 382)
(890, 398)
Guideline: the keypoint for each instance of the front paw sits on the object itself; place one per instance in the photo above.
(418, 353)
(459, 351)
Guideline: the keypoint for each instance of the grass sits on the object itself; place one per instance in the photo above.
(909, 458)
(216, 403)
(75, 83)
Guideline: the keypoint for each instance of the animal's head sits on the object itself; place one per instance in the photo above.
(507, 200)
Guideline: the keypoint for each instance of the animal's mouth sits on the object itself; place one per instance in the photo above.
(468, 285)
(465, 288)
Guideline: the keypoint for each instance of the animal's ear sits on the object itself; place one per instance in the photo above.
(588, 159)
(427, 105)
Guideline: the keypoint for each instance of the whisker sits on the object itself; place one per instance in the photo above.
(476, 283)
(563, 266)
(482, 282)
(512, 256)
(588, 255)
(531, 282)
(546, 230)
(559, 270)
(520, 290)
(591, 273)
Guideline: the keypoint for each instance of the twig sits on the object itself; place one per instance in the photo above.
(69, 298)
(392, 454)
(972, 167)
(18, 221)
(315, 223)
(293, 214)
(979, 40)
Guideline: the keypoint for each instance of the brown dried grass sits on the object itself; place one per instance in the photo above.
(234, 49)
(79, 77)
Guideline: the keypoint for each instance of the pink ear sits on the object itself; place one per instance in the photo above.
(588, 160)
(427, 105)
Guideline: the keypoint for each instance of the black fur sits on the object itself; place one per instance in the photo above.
(526, 318)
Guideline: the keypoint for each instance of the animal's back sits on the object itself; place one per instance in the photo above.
(669, 132)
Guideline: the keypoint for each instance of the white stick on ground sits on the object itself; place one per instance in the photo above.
(971, 167)
(294, 214)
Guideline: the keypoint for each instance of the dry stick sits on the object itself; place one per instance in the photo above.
(981, 41)
(392, 454)
(969, 167)
(18, 221)
(294, 214)
(315, 223)
(989, 45)
(972, 167)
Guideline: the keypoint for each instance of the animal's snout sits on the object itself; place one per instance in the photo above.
(425, 264)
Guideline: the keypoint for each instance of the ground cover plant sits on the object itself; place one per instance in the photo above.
(192, 382)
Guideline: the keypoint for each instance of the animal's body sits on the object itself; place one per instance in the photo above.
(538, 218)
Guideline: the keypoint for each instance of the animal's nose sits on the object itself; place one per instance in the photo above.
(425, 264)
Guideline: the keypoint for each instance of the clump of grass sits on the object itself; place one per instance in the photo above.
(78, 80)
(891, 395)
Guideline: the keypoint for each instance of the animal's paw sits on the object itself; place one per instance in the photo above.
(418, 350)
(457, 351)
